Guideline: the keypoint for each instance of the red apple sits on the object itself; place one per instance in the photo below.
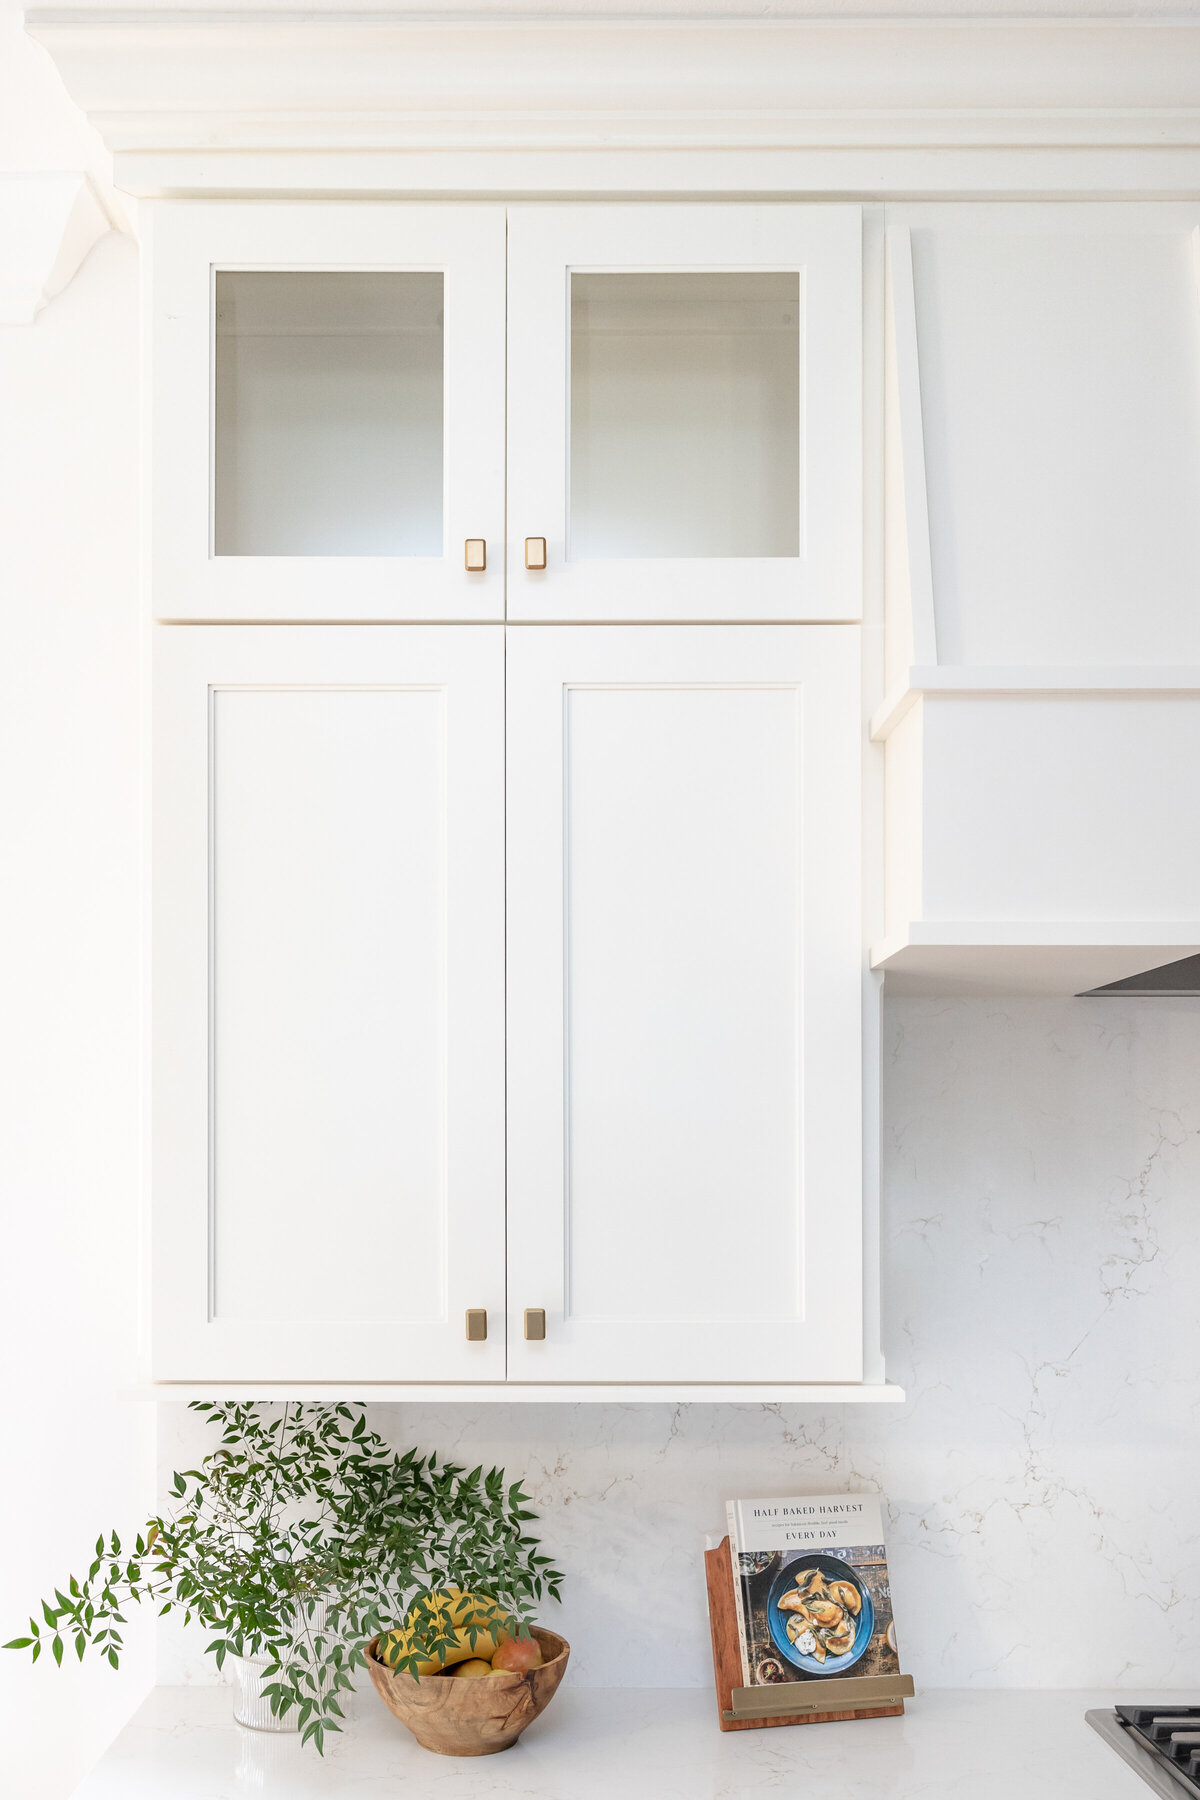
(517, 1654)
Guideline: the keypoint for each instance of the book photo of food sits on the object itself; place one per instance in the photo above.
(811, 1588)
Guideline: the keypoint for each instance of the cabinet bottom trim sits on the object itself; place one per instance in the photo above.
(622, 1393)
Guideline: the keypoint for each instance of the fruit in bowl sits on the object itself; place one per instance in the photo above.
(477, 1704)
(517, 1653)
(463, 1626)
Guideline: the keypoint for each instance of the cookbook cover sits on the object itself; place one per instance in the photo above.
(810, 1580)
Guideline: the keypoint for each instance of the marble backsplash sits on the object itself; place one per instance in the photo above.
(1041, 1259)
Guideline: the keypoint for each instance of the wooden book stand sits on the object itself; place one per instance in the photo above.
(790, 1703)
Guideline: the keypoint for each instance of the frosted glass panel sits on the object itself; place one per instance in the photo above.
(328, 414)
(685, 415)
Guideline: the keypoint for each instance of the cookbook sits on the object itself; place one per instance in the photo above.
(811, 1588)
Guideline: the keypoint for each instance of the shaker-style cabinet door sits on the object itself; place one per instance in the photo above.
(327, 410)
(684, 991)
(328, 1003)
(684, 412)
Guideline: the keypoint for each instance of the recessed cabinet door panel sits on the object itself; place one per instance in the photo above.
(328, 1003)
(327, 410)
(684, 989)
(684, 411)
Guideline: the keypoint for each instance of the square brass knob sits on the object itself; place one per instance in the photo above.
(535, 1323)
(476, 1324)
(475, 555)
(535, 553)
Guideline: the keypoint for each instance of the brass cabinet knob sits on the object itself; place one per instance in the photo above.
(476, 1324)
(475, 555)
(535, 558)
(535, 1323)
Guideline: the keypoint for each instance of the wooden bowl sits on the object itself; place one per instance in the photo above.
(471, 1718)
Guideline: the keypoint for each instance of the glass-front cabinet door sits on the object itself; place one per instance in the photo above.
(684, 407)
(327, 413)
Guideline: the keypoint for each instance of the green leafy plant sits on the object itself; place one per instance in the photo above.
(301, 1536)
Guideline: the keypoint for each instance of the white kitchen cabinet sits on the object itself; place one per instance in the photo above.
(656, 1015)
(684, 412)
(328, 1163)
(327, 410)
(683, 989)
(684, 972)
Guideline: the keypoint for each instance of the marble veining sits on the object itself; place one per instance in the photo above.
(1041, 1257)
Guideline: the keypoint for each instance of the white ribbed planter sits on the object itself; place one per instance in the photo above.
(252, 1707)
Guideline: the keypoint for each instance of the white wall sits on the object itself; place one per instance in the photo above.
(73, 1457)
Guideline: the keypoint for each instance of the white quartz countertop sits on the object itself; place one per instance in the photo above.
(637, 1744)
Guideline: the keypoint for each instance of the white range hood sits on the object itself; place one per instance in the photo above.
(1041, 731)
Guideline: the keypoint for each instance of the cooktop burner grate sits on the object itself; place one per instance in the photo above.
(1161, 1742)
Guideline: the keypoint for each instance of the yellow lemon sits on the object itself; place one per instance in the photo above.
(455, 1615)
(474, 1669)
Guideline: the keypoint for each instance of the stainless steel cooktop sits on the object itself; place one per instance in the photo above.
(1161, 1742)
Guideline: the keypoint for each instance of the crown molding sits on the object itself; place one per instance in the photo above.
(48, 222)
(174, 91)
(290, 81)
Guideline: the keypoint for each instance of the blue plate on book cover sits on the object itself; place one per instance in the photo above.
(833, 1569)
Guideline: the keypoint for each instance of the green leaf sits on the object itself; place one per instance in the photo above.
(57, 1649)
(20, 1643)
